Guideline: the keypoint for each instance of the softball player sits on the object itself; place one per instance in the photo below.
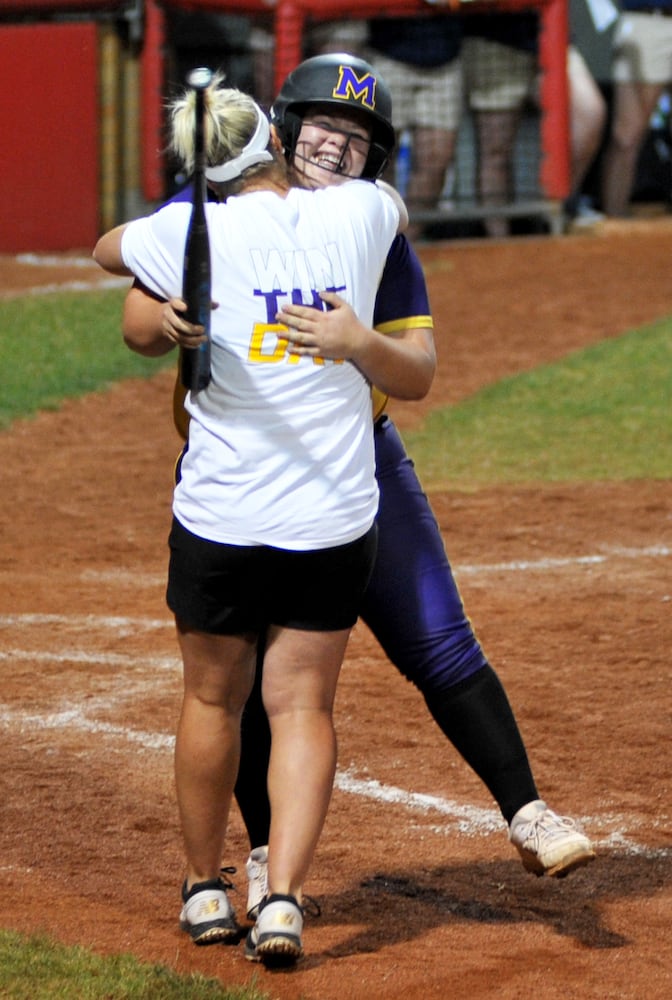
(271, 497)
(412, 604)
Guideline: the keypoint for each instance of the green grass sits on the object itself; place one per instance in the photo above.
(600, 413)
(35, 968)
(60, 345)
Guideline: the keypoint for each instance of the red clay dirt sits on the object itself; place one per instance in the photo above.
(569, 588)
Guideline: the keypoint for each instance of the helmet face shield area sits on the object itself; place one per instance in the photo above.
(344, 86)
(325, 139)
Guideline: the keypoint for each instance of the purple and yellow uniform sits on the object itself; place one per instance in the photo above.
(412, 604)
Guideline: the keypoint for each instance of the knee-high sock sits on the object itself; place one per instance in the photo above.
(477, 718)
(474, 714)
(251, 787)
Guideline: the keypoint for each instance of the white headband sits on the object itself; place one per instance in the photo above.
(254, 152)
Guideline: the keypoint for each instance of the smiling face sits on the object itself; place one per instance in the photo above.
(331, 148)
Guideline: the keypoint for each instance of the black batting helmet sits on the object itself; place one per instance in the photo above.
(346, 82)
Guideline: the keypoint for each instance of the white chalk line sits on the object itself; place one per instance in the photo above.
(84, 623)
(102, 284)
(92, 659)
(75, 285)
(470, 821)
(54, 260)
(74, 720)
(125, 577)
(610, 553)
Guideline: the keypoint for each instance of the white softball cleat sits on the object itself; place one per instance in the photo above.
(256, 868)
(547, 843)
(275, 939)
(207, 915)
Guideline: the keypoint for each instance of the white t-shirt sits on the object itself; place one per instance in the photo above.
(280, 448)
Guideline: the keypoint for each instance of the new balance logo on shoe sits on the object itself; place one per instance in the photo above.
(275, 939)
(207, 915)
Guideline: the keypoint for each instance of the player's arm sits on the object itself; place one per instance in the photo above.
(153, 327)
(107, 251)
(401, 363)
(398, 201)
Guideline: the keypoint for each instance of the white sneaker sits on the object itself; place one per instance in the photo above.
(547, 843)
(206, 914)
(275, 939)
(256, 867)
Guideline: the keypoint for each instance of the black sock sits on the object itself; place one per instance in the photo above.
(251, 789)
(477, 718)
(475, 715)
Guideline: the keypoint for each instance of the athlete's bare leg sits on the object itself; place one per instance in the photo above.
(299, 684)
(218, 676)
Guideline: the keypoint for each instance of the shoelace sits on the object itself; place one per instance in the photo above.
(223, 873)
(311, 907)
(551, 824)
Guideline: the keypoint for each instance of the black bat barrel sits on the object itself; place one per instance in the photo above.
(196, 279)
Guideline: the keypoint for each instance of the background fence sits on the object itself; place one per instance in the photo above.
(87, 83)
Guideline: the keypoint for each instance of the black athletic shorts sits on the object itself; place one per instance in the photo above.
(230, 589)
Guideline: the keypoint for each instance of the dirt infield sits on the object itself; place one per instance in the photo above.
(569, 588)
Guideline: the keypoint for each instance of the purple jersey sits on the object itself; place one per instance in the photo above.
(402, 299)
(412, 604)
(402, 302)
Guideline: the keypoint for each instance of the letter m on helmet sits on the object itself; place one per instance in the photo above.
(357, 88)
